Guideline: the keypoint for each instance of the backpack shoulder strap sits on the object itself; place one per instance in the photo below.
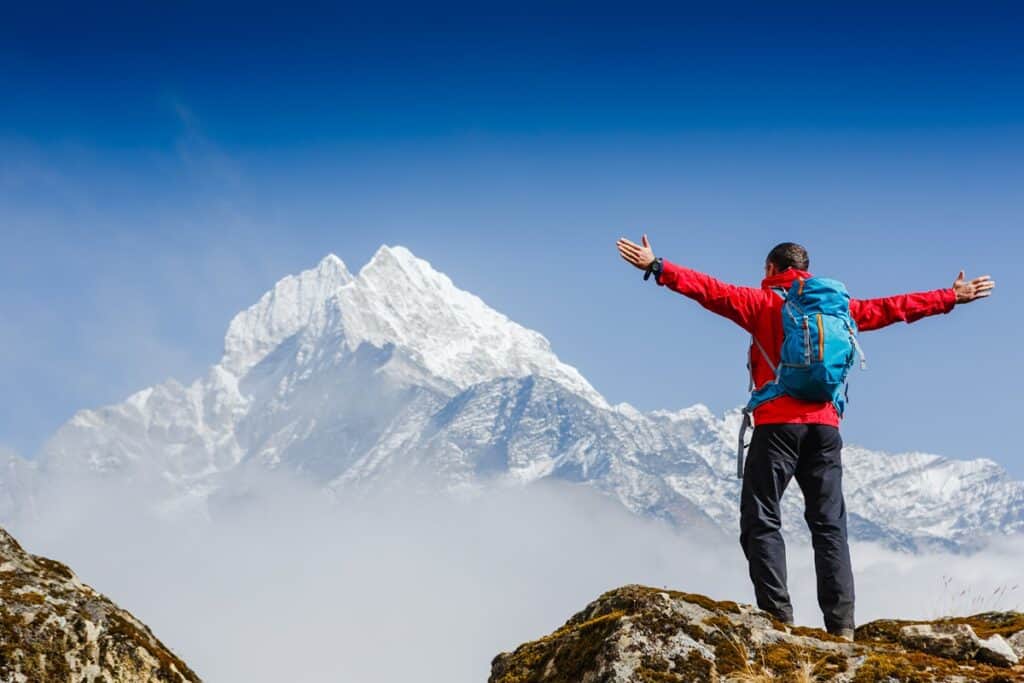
(760, 347)
(764, 353)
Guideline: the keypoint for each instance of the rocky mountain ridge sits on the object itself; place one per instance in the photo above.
(355, 380)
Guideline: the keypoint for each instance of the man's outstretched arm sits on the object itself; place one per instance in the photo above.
(871, 314)
(739, 304)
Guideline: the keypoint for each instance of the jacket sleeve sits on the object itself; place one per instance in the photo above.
(871, 314)
(739, 304)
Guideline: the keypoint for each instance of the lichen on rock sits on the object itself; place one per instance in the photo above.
(53, 627)
(644, 635)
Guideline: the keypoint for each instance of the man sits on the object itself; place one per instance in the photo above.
(793, 437)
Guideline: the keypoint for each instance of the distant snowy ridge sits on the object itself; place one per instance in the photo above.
(395, 372)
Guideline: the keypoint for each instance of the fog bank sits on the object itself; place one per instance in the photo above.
(281, 585)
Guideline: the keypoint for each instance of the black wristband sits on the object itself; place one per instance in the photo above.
(653, 267)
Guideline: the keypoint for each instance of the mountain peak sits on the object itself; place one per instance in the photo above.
(396, 253)
(332, 265)
(397, 263)
(283, 311)
(388, 256)
(400, 298)
(397, 298)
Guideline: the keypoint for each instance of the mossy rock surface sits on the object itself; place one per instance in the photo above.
(55, 628)
(985, 624)
(643, 634)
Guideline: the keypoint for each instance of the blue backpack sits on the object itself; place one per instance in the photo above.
(818, 344)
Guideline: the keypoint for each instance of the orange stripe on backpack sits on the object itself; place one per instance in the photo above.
(821, 339)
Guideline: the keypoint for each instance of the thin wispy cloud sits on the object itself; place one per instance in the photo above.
(206, 163)
(107, 293)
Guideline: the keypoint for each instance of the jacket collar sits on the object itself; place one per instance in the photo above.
(784, 279)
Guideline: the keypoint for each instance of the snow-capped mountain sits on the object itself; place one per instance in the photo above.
(353, 380)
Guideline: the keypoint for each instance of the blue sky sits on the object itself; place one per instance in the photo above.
(159, 171)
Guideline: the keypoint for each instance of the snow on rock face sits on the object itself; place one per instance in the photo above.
(352, 379)
(931, 495)
(396, 298)
(307, 325)
(399, 298)
(283, 311)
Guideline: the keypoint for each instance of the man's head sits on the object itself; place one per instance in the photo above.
(786, 255)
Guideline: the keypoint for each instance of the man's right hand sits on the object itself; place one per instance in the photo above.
(968, 291)
(640, 256)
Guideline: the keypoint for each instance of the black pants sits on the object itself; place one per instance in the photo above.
(811, 452)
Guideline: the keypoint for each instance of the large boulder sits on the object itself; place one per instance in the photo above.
(639, 634)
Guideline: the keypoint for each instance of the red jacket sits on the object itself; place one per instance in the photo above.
(759, 312)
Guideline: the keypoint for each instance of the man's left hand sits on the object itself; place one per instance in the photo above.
(972, 290)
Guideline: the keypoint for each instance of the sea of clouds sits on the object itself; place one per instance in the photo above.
(277, 582)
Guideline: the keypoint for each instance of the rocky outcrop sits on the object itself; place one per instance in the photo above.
(638, 634)
(55, 628)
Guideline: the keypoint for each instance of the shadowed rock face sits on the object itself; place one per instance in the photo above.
(639, 634)
(55, 628)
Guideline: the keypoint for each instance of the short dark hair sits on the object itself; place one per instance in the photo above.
(789, 255)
